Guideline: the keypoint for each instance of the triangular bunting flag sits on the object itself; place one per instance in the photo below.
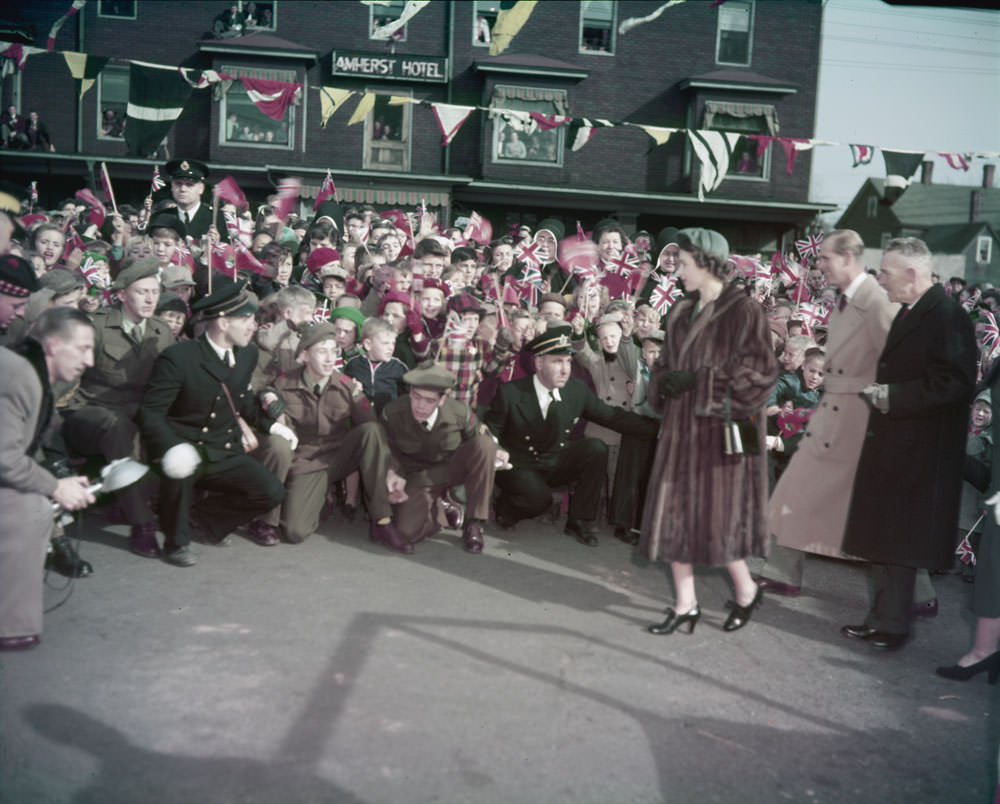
(549, 121)
(385, 32)
(50, 45)
(510, 20)
(582, 129)
(156, 98)
(331, 99)
(714, 149)
(400, 100)
(659, 135)
(84, 69)
(272, 97)
(862, 154)
(957, 161)
(900, 166)
(365, 105)
(450, 119)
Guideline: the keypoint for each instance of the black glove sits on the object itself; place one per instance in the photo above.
(674, 383)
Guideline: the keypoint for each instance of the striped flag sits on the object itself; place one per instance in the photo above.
(957, 161)
(862, 154)
(156, 98)
(581, 129)
(58, 24)
(714, 150)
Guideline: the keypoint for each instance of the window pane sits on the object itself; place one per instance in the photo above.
(745, 161)
(388, 11)
(597, 19)
(387, 136)
(246, 124)
(483, 18)
(519, 140)
(734, 32)
(113, 94)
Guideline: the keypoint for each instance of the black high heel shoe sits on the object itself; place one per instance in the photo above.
(740, 615)
(675, 620)
(958, 673)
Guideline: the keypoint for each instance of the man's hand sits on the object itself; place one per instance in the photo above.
(397, 487)
(577, 322)
(286, 433)
(502, 460)
(71, 493)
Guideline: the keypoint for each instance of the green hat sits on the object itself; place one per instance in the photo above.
(708, 240)
(554, 341)
(351, 314)
(139, 269)
(434, 378)
(552, 225)
(313, 334)
(231, 299)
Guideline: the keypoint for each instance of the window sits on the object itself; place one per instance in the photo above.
(749, 160)
(484, 15)
(260, 16)
(735, 33)
(872, 206)
(387, 135)
(244, 125)
(597, 26)
(121, 9)
(517, 137)
(112, 99)
(984, 249)
(386, 11)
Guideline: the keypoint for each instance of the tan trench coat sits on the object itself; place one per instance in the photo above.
(808, 509)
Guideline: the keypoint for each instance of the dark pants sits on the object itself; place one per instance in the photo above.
(527, 492)
(93, 431)
(245, 490)
(892, 596)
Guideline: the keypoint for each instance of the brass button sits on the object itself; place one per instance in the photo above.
(211, 415)
(227, 445)
(204, 429)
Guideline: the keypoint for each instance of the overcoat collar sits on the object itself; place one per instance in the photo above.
(910, 321)
(211, 362)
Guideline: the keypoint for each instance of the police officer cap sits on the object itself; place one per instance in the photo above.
(140, 269)
(554, 341)
(189, 169)
(17, 277)
(231, 299)
(167, 220)
(313, 334)
(434, 378)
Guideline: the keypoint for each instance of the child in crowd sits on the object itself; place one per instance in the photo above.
(463, 353)
(378, 371)
(166, 232)
(402, 277)
(979, 452)
(173, 311)
(793, 353)
(796, 394)
(333, 280)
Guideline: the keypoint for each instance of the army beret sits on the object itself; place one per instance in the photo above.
(610, 318)
(17, 277)
(171, 302)
(167, 220)
(351, 314)
(140, 269)
(61, 280)
(434, 378)
(554, 341)
(311, 334)
(230, 299)
(186, 169)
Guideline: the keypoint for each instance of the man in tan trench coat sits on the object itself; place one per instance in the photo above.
(808, 509)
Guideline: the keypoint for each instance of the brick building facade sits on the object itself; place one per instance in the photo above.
(742, 66)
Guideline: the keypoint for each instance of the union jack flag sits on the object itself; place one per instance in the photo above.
(322, 313)
(991, 333)
(527, 291)
(158, 183)
(530, 273)
(528, 254)
(969, 304)
(90, 269)
(790, 274)
(479, 229)
(454, 328)
(815, 314)
(809, 247)
(965, 552)
(664, 294)
(622, 265)
(750, 267)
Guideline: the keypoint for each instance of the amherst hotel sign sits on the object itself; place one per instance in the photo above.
(389, 67)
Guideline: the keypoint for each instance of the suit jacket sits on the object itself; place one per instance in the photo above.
(185, 401)
(202, 220)
(808, 509)
(904, 509)
(122, 367)
(535, 442)
(422, 456)
(25, 409)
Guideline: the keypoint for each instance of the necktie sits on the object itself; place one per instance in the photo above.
(552, 402)
(317, 389)
(230, 361)
(842, 302)
(426, 425)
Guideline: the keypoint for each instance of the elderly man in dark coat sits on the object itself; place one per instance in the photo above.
(60, 347)
(904, 507)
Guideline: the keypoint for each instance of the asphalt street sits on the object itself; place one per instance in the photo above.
(335, 671)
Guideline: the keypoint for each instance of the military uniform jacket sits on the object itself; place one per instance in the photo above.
(535, 442)
(421, 455)
(122, 367)
(200, 222)
(321, 422)
(185, 401)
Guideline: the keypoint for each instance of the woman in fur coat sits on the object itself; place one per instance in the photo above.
(703, 506)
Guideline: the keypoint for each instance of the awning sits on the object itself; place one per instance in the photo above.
(713, 108)
(380, 197)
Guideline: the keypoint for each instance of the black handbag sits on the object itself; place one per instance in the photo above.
(739, 436)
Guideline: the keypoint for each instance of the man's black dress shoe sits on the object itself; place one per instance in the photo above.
(583, 530)
(388, 536)
(180, 557)
(778, 587)
(858, 631)
(472, 537)
(201, 534)
(454, 513)
(19, 642)
(882, 640)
